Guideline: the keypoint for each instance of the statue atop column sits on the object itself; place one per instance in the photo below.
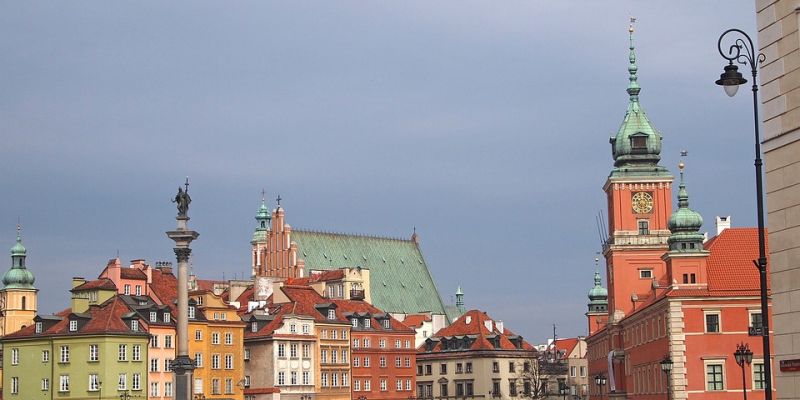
(182, 200)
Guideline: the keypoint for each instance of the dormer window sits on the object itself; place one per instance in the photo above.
(199, 301)
(73, 325)
(254, 327)
(138, 290)
(639, 142)
(191, 312)
(331, 313)
(153, 316)
(134, 325)
(386, 323)
(166, 317)
(367, 323)
(38, 327)
(127, 289)
(354, 322)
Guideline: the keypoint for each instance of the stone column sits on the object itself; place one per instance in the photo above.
(183, 366)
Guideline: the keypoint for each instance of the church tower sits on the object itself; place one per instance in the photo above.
(638, 192)
(597, 315)
(18, 296)
(686, 258)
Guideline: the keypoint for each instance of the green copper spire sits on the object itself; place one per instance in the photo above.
(685, 223)
(598, 295)
(636, 147)
(460, 300)
(18, 277)
(263, 218)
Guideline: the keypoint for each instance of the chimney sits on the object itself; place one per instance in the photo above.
(77, 281)
(723, 223)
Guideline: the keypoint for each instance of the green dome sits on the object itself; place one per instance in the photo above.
(263, 217)
(637, 142)
(18, 277)
(598, 294)
(685, 223)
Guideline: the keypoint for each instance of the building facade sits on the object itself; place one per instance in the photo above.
(671, 295)
(477, 357)
(777, 22)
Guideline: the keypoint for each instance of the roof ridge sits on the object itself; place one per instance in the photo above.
(370, 236)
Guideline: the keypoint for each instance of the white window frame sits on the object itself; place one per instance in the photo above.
(94, 352)
(706, 364)
(63, 383)
(716, 312)
(73, 325)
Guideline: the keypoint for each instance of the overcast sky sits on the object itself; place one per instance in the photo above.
(483, 124)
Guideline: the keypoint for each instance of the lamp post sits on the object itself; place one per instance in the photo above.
(666, 366)
(562, 388)
(600, 380)
(730, 81)
(743, 355)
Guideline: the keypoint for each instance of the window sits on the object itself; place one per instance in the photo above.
(254, 327)
(306, 329)
(408, 384)
(198, 385)
(356, 385)
(495, 388)
(383, 385)
(154, 341)
(398, 384)
(137, 352)
(64, 355)
(228, 338)
(398, 362)
(247, 381)
(123, 352)
(323, 356)
(407, 362)
(215, 361)
(468, 368)
(344, 334)
(167, 364)
(228, 384)
(510, 366)
(138, 290)
(334, 358)
(366, 342)
(63, 383)
(459, 368)
(153, 389)
(38, 327)
(281, 350)
(495, 366)
(428, 369)
(153, 316)
(331, 313)
(638, 142)
(198, 360)
(573, 370)
(714, 377)
(583, 371)
(387, 324)
(382, 343)
(367, 323)
(127, 288)
(281, 378)
(644, 227)
(442, 390)
(215, 386)
(191, 312)
(382, 362)
(645, 273)
(512, 387)
(228, 361)
(306, 378)
(526, 387)
(459, 389)
(122, 382)
(712, 322)
(324, 379)
(247, 354)
(137, 381)
(167, 318)
(293, 378)
(356, 362)
(293, 350)
(367, 385)
(14, 356)
(334, 379)
(168, 341)
(198, 334)
(755, 319)
(215, 338)
(355, 343)
(407, 345)
(153, 365)
(73, 325)
(168, 389)
(45, 384)
(469, 388)
(758, 375)
(333, 333)
(366, 362)
(344, 356)
(419, 369)
(45, 355)
(324, 333)
(306, 350)
(344, 379)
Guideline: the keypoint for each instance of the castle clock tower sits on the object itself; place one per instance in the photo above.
(18, 296)
(639, 204)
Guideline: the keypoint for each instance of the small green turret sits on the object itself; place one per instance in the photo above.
(18, 277)
(263, 218)
(598, 295)
(685, 223)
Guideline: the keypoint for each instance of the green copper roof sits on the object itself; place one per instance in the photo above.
(18, 277)
(685, 223)
(598, 294)
(637, 143)
(399, 278)
(263, 218)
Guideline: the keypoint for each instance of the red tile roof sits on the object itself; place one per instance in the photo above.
(164, 287)
(132, 273)
(102, 283)
(322, 276)
(354, 306)
(105, 318)
(567, 345)
(477, 327)
(416, 320)
(730, 265)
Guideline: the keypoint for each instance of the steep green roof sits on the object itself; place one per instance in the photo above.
(399, 278)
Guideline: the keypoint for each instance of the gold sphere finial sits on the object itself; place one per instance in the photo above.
(681, 166)
(630, 27)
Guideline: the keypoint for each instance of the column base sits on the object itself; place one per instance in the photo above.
(183, 367)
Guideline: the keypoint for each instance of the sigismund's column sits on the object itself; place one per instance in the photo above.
(183, 366)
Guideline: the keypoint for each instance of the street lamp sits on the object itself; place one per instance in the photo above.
(600, 380)
(743, 355)
(730, 80)
(562, 387)
(666, 366)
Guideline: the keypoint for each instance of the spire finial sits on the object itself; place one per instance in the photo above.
(278, 200)
(19, 229)
(633, 86)
(263, 196)
(683, 195)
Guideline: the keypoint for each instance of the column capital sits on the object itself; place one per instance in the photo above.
(182, 253)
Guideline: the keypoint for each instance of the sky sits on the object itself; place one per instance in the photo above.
(485, 125)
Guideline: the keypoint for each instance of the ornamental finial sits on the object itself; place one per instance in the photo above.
(633, 86)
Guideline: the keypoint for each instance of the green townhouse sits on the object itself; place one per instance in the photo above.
(98, 353)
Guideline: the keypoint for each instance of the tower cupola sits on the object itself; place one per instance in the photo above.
(263, 218)
(460, 300)
(637, 144)
(18, 277)
(598, 295)
(685, 223)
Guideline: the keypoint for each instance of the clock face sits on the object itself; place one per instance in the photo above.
(642, 202)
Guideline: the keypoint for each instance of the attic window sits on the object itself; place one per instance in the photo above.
(38, 327)
(254, 327)
(135, 325)
(386, 323)
(639, 142)
(354, 322)
(367, 323)
(191, 312)
(331, 313)
(73, 326)
(153, 316)
(166, 317)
